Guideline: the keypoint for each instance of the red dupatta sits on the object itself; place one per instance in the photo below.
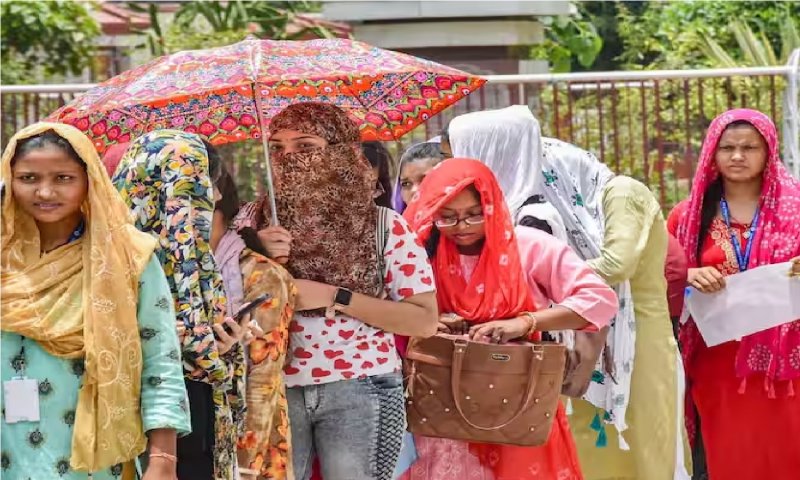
(497, 288)
(774, 352)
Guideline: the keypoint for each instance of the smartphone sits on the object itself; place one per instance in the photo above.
(247, 308)
(252, 305)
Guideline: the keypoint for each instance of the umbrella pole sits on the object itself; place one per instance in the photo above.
(256, 61)
(268, 165)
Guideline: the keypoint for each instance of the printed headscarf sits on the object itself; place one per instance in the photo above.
(325, 200)
(774, 352)
(574, 181)
(497, 288)
(508, 141)
(164, 179)
(79, 301)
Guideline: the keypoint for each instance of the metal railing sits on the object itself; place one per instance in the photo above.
(647, 124)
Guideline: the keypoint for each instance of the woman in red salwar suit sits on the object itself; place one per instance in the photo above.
(743, 212)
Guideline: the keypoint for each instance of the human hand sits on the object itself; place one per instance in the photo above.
(500, 331)
(453, 324)
(240, 332)
(181, 328)
(313, 295)
(706, 279)
(159, 468)
(277, 241)
(795, 270)
(254, 331)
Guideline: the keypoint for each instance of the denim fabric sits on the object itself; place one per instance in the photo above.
(355, 427)
(408, 455)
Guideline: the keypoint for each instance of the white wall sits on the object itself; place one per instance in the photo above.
(487, 33)
(353, 11)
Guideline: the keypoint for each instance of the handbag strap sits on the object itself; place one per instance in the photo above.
(459, 352)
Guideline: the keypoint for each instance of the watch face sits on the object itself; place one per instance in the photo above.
(343, 297)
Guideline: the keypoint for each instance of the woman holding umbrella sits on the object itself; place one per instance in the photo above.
(361, 275)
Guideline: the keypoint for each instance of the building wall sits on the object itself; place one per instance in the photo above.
(487, 37)
(350, 11)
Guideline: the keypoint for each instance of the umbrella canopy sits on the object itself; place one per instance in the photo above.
(229, 93)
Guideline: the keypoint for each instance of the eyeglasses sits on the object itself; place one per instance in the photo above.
(448, 222)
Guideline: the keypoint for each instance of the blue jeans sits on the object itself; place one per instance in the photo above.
(355, 427)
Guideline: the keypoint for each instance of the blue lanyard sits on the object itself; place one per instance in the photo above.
(742, 259)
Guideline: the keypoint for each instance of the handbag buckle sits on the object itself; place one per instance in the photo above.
(538, 352)
(460, 344)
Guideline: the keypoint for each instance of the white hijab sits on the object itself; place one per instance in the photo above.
(574, 181)
(509, 142)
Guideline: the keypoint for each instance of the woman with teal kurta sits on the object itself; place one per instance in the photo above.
(87, 314)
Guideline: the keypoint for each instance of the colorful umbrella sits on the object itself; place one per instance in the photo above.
(228, 94)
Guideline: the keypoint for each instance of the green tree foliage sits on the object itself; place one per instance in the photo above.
(672, 34)
(50, 37)
(207, 24)
(755, 48)
(570, 41)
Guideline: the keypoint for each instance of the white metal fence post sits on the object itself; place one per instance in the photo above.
(791, 114)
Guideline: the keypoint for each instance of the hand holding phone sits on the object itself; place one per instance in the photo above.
(235, 329)
(252, 305)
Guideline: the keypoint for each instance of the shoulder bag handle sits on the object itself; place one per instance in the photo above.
(460, 351)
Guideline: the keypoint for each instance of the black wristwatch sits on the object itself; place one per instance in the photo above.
(342, 299)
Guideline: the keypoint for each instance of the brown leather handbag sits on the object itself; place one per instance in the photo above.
(481, 392)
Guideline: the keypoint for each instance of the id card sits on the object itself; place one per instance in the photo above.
(21, 400)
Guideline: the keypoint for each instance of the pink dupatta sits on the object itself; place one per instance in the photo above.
(774, 352)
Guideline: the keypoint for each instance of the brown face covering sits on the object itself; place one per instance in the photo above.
(325, 200)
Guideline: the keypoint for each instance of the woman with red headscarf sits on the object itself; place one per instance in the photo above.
(495, 285)
(743, 213)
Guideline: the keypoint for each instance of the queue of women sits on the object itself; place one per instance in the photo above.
(123, 356)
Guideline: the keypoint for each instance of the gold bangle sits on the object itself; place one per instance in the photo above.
(532, 328)
(171, 458)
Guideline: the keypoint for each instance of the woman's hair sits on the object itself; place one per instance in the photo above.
(433, 242)
(711, 199)
(214, 161)
(445, 133)
(421, 151)
(532, 221)
(229, 203)
(43, 140)
(379, 157)
(537, 223)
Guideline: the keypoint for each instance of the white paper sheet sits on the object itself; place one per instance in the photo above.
(751, 301)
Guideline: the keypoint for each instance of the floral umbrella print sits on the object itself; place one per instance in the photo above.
(228, 94)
